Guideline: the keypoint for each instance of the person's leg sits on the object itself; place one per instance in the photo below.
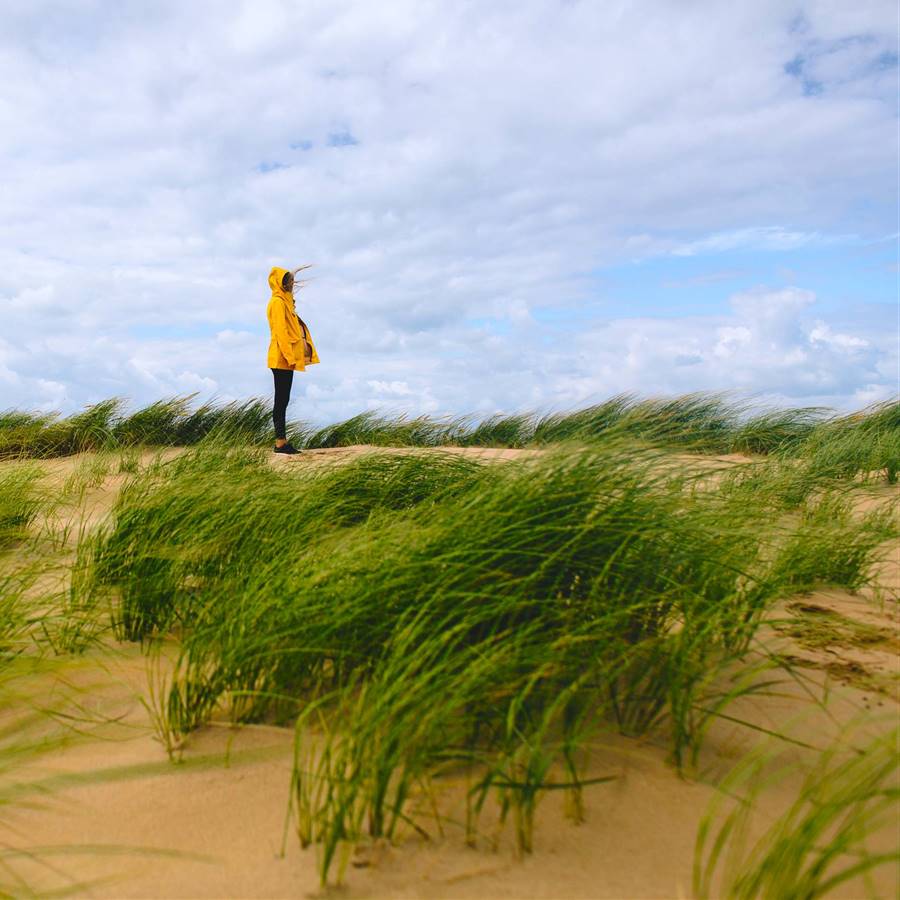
(283, 381)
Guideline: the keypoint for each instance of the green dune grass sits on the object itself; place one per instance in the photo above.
(414, 615)
(841, 446)
(20, 501)
(824, 838)
(424, 612)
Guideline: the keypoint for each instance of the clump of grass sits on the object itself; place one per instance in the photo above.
(71, 621)
(212, 512)
(782, 430)
(172, 422)
(20, 501)
(821, 843)
(41, 436)
(776, 484)
(236, 422)
(156, 424)
(129, 462)
(499, 431)
(694, 420)
(105, 426)
(701, 422)
(382, 431)
(582, 424)
(862, 445)
(90, 472)
(14, 617)
(833, 546)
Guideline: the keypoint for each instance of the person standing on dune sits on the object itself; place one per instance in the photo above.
(291, 349)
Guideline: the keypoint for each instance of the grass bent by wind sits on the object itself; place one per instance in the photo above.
(419, 615)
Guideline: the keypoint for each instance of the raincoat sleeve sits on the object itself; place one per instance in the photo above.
(278, 323)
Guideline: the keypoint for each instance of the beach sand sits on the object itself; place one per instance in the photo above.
(116, 818)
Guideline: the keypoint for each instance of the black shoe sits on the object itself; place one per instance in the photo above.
(286, 448)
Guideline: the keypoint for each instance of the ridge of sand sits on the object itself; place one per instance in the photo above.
(213, 826)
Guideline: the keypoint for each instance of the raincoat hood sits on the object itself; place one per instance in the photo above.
(275, 277)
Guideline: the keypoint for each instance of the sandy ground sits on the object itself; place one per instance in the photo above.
(117, 819)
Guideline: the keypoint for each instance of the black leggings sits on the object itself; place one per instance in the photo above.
(283, 380)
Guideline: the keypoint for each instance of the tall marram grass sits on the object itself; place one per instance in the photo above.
(105, 426)
(702, 422)
(844, 803)
(416, 614)
(20, 501)
(419, 615)
(866, 443)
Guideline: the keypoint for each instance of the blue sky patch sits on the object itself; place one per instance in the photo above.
(843, 278)
(341, 139)
(795, 68)
(265, 167)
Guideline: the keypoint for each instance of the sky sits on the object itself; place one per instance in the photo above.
(510, 206)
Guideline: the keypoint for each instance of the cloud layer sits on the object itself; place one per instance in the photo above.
(457, 172)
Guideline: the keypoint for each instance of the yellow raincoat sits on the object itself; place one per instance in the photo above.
(291, 346)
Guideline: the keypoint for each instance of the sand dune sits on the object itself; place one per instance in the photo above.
(213, 825)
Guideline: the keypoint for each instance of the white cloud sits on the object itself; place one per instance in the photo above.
(822, 333)
(768, 347)
(769, 238)
(394, 388)
(159, 158)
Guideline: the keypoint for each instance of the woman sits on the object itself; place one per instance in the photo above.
(291, 349)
